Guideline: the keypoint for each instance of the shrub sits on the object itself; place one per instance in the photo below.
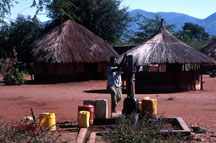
(142, 132)
(11, 71)
(24, 133)
(14, 76)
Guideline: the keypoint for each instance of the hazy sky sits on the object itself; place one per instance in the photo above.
(197, 8)
(23, 7)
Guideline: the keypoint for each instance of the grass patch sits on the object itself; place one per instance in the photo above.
(143, 132)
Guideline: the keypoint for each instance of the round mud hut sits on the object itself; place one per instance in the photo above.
(70, 52)
(165, 64)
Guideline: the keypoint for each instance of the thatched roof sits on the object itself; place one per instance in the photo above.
(122, 49)
(71, 42)
(210, 50)
(164, 48)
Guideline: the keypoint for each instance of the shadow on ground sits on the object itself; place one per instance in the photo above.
(99, 91)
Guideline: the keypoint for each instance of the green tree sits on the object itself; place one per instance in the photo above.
(20, 34)
(192, 31)
(40, 5)
(5, 7)
(103, 17)
(147, 28)
(193, 35)
(62, 10)
(106, 18)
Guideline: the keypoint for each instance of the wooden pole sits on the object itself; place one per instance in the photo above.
(176, 78)
(194, 79)
(201, 88)
(33, 114)
(158, 84)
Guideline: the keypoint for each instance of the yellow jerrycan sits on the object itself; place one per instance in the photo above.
(149, 107)
(83, 119)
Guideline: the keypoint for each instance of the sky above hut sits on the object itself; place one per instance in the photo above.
(196, 8)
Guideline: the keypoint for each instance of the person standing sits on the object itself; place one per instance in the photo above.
(114, 82)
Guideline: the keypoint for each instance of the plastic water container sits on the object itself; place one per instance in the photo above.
(149, 107)
(89, 108)
(51, 121)
(43, 118)
(89, 102)
(101, 109)
(83, 119)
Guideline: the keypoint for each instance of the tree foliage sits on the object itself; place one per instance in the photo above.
(40, 5)
(20, 34)
(106, 18)
(193, 35)
(103, 17)
(147, 28)
(192, 31)
(5, 7)
(62, 10)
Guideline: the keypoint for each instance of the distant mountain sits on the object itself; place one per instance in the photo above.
(44, 23)
(177, 19)
(209, 24)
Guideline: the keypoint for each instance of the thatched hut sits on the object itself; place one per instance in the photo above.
(164, 63)
(70, 52)
(210, 50)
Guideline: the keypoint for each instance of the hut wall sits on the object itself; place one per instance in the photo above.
(50, 68)
(61, 69)
(166, 81)
(76, 69)
(69, 72)
(38, 68)
(101, 70)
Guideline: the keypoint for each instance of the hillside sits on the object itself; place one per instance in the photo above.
(177, 19)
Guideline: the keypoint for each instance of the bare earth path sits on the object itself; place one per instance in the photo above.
(195, 107)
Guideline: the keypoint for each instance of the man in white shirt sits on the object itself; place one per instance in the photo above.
(114, 82)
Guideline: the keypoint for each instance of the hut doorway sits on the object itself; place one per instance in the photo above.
(91, 71)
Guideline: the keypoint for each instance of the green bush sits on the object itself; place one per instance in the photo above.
(142, 132)
(11, 70)
(13, 76)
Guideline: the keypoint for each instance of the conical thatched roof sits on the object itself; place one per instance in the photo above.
(163, 48)
(210, 50)
(71, 42)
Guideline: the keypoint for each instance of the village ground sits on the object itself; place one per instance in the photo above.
(197, 108)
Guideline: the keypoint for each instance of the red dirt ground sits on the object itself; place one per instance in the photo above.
(195, 107)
